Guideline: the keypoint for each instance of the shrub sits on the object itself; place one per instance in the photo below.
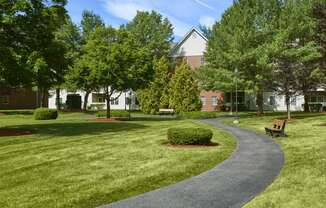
(197, 115)
(114, 113)
(74, 102)
(45, 114)
(195, 136)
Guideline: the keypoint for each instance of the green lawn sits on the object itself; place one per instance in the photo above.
(75, 162)
(302, 182)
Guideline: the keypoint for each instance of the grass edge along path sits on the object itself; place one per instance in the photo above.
(302, 182)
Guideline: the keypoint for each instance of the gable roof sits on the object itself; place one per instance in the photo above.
(193, 29)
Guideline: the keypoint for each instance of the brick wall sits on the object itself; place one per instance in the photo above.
(19, 98)
(209, 103)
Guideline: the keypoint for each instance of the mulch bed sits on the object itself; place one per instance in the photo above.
(14, 132)
(192, 146)
(107, 120)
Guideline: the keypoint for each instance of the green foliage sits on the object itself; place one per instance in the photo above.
(150, 36)
(45, 114)
(156, 95)
(198, 115)
(73, 102)
(189, 136)
(27, 28)
(89, 23)
(218, 79)
(114, 113)
(184, 91)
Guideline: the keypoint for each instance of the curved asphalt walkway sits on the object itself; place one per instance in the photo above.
(255, 163)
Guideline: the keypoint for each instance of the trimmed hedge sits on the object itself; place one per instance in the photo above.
(114, 113)
(45, 114)
(194, 136)
(198, 115)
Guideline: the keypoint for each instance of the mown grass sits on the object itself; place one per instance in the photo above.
(76, 162)
(302, 182)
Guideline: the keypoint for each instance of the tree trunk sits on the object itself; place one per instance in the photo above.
(306, 102)
(260, 102)
(288, 109)
(41, 98)
(231, 109)
(108, 106)
(85, 101)
(57, 100)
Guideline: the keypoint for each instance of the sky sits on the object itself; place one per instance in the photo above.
(183, 14)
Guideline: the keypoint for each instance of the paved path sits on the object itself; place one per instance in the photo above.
(255, 163)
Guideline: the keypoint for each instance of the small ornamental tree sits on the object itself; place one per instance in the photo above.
(109, 57)
(184, 91)
(155, 96)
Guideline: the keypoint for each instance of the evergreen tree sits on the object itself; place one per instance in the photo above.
(237, 41)
(293, 54)
(184, 91)
(156, 95)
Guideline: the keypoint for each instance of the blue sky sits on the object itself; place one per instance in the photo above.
(183, 14)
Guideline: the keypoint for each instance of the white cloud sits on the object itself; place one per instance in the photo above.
(206, 5)
(207, 21)
(127, 10)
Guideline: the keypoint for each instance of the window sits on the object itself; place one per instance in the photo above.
(203, 100)
(202, 61)
(127, 100)
(98, 98)
(317, 99)
(214, 101)
(294, 101)
(272, 100)
(4, 99)
(115, 101)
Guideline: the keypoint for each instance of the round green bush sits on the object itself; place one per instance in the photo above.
(193, 136)
(45, 114)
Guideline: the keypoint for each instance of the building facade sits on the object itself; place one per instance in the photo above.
(192, 48)
(96, 100)
(20, 98)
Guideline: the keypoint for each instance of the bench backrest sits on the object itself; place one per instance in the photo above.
(279, 124)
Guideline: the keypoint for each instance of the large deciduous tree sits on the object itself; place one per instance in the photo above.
(151, 37)
(27, 40)
(80, 76)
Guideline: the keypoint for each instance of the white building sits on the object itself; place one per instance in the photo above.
(192, 48)
(96, 100)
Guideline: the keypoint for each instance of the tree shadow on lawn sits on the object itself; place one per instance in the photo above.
(77, 128)
(283, 115)
(150, 118)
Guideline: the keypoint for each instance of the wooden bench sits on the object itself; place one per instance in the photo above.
(166, 111)
(277, 129)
